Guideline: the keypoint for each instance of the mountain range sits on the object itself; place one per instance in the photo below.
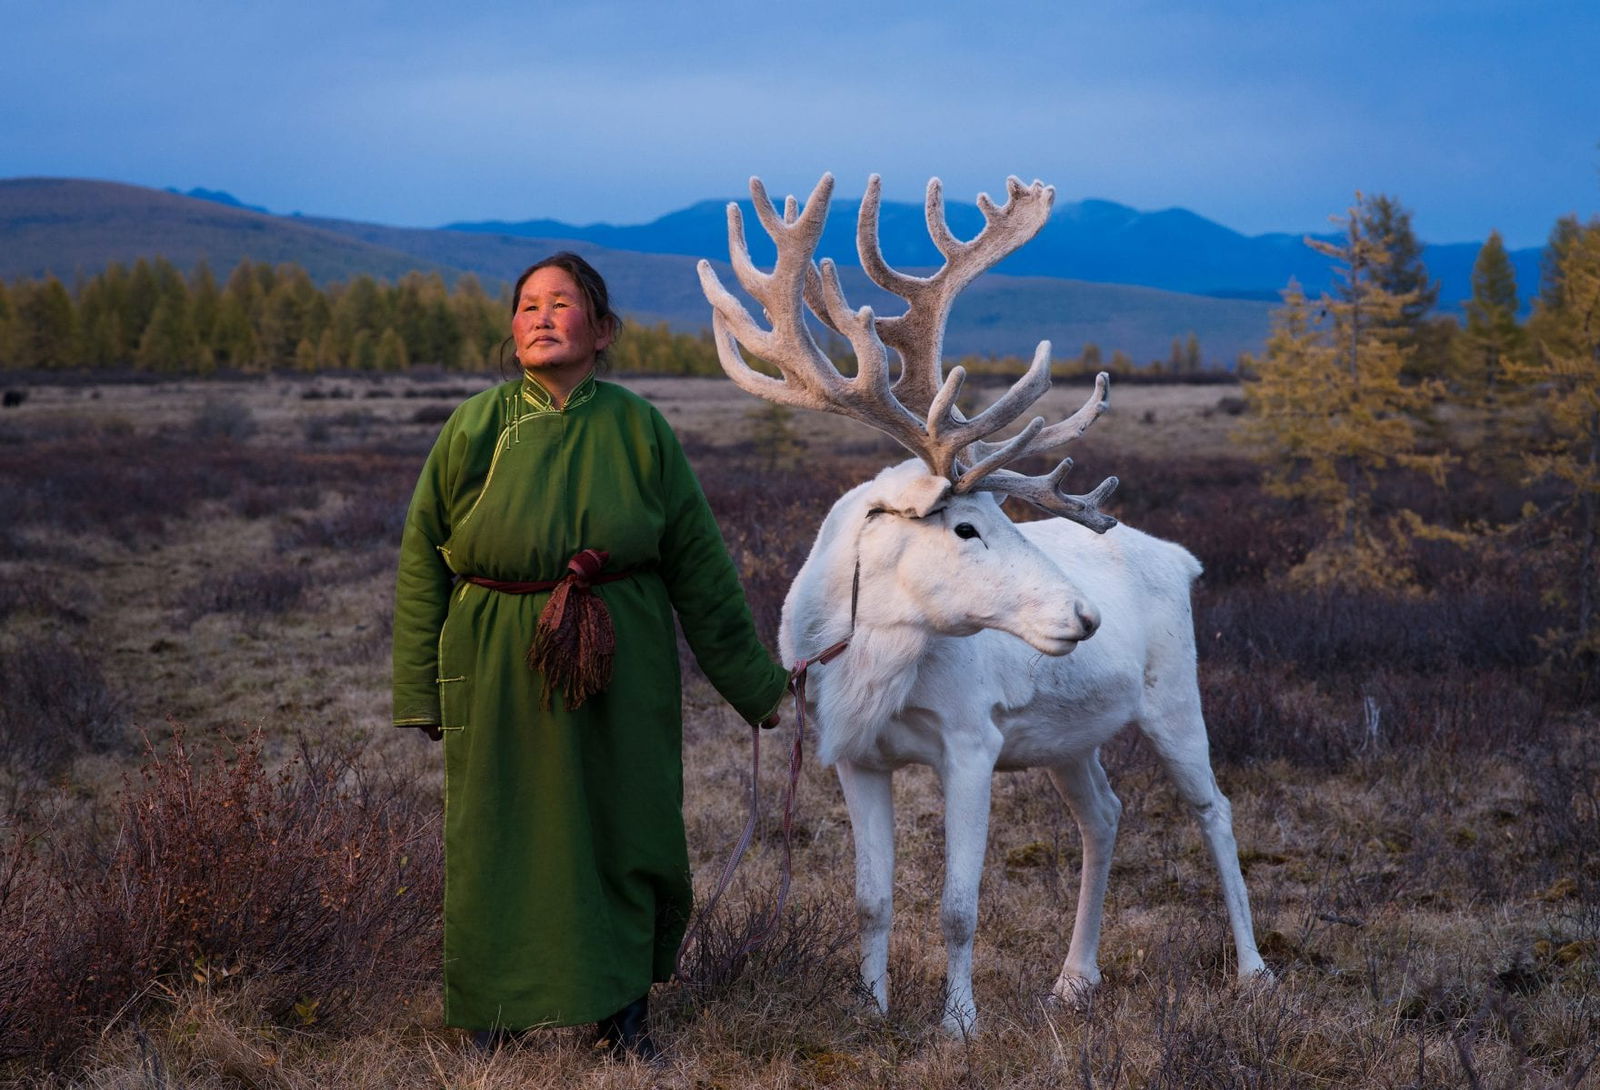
(1098, 271)
(1093, 240)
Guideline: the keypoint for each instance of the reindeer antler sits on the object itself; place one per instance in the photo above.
(919, 411)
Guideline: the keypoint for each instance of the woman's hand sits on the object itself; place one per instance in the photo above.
(770, 721)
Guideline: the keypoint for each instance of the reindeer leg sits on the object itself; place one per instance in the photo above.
(1178, 734)
(869, 797)
(967, 776)
(1088, 794)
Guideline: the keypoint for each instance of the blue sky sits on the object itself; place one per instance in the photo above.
(1261, 116)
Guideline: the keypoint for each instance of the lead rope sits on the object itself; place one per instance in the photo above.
(762, 932)
(797, 686)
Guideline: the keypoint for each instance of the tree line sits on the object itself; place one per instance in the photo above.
(1363, 386)
(152, 317)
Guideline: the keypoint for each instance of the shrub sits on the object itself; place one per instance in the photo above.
(319, 885)
(250, 593)
(54, 704)
(431, 414)
(809, 948)
(367, 520)
(1565, 783)
(219, 418)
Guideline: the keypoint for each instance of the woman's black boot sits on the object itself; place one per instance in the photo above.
(628, 1032)
(492, 1040)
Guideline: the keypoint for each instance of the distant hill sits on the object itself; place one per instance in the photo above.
(70, 226)
(997, 315)
(1138, 279)
(217, 195)
(1100, 241)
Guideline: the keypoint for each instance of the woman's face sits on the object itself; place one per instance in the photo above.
(551, 326)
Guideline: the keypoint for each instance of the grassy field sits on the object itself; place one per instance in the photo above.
(221, 866)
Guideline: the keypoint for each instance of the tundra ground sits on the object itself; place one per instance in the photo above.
(1417, 813)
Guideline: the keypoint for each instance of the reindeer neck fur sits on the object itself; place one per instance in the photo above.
(877, 676)
(858, 693)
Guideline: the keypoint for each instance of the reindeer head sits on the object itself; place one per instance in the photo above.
(959, 565)
(919, 410)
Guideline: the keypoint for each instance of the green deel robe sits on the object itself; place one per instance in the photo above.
(567, 882)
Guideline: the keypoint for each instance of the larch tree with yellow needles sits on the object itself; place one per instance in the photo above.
(1329, 411)
(1563, 379)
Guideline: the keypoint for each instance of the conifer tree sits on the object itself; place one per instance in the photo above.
(328, 357)
(1329, 410)
(772, 432)
(480, 320)
(1547, 326)
(266, 278)
(414, 296)
(362, 305)
(363, 351)
(1562, 236)
(118, 282)
(101, 307)
(1564, 376)
(1492, 336)
(169, 342)
(205, 299)
(233, 338)
(391, 352)
(289, 315)
(7, 328)
(169, 281)
(143, 293)
(46, 334)
(1388, 223)
(243, 286)
(305, 356)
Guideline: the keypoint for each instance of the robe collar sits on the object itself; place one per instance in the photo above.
(539, 398)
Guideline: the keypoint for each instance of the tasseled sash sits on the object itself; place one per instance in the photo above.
(574, 644)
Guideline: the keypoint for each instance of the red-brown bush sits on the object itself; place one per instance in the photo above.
(320, 884)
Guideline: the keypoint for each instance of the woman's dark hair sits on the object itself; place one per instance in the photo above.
(588, 279)
(593, 286)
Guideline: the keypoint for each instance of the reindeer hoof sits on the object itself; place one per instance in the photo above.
(959, 1027)
(1073, 993)
(1261, 979)
(960, 1021)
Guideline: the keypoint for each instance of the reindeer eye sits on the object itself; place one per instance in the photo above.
(966, 530)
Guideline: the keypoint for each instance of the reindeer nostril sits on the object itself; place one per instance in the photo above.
(1089, 619)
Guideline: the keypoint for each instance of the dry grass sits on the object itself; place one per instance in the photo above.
(1426, 891)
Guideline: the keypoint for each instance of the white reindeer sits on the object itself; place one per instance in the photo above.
(947, 604)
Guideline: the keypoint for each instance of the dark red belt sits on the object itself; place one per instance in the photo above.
(583, 568)
(541, 585)
(573, 642)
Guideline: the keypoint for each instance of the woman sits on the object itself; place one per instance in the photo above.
(567, 881)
